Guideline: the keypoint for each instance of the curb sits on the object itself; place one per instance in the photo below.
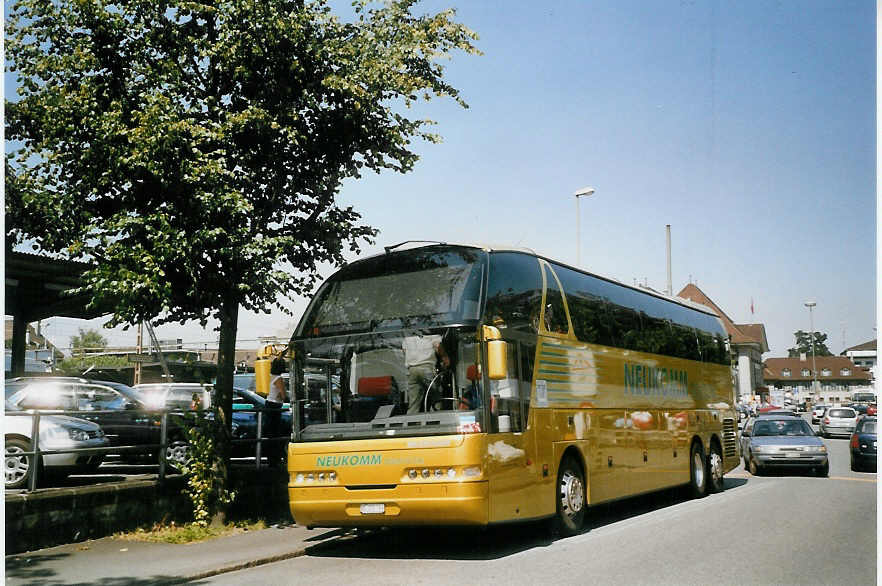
(242, 565)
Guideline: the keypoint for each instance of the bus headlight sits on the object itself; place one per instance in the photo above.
(318, 478)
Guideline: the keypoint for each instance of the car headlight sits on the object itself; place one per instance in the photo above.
(818, 449)
(763, 449)
(78, 435)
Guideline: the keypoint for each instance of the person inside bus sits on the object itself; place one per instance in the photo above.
(423, 355)
(274, 401)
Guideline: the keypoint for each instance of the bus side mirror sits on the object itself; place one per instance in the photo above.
(262, 376)
(497, 360)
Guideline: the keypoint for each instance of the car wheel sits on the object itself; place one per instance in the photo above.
(178, 455)
(570, 498)
(697, 471)
(755, 468)
(18, 464)
(715, 469)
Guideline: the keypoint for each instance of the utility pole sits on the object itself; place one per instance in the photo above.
(137, 380)
(670, 290)
(811, 305)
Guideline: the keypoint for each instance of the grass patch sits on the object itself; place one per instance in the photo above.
(189, 532)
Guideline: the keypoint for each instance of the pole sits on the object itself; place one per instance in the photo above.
(668, 249)
(137, 379)
(814, 368)
(578, 194)
(578, 235)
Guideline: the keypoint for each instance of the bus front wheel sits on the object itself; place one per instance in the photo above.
(570, 498)
(697, 471)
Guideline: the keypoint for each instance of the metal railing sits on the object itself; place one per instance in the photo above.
(36, 453)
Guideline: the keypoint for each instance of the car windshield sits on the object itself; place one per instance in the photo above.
(782, 427)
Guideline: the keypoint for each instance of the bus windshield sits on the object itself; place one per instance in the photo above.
(429, 287)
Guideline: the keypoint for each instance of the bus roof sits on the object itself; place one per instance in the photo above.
(417, 244)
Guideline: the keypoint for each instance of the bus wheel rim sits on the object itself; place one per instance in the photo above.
(716, 467)
(572, 494)
(698, 469)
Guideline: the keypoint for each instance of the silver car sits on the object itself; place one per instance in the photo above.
(818, 412)
(57, 432)
(838, 421)
(784, 442)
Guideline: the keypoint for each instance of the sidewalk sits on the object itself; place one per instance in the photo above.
(117, 561)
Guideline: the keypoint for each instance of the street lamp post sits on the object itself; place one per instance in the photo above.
(586, 191)
(811, 305)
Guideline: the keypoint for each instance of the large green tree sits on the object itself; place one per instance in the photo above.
(804, 344)
(194, 150)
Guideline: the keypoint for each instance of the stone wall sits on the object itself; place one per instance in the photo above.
(55, 516)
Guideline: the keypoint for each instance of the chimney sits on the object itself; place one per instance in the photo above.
(802, 356)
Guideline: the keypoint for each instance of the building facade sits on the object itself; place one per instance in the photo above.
(864, 356)
(748, 343)
(837, 376)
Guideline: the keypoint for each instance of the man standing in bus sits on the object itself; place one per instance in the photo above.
(276, 397)
(421, 355)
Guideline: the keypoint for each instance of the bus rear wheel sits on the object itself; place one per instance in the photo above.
(570, 498)
(697, 471)
(715, 469)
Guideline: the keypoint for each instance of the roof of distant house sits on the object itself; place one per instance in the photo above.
(774, 368)
(871, 345)
(740, 333)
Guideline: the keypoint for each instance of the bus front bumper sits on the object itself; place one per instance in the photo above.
(464, 503)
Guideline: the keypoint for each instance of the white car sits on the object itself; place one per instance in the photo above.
(838, 421)
(57, 432)
(177, 396)
(818, 412)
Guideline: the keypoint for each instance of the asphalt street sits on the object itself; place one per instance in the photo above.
(781, 528)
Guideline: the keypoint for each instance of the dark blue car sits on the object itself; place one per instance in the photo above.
(863, 445)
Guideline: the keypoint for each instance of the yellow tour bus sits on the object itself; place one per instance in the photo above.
(461, 385)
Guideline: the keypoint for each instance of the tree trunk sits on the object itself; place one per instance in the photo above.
(223, 390)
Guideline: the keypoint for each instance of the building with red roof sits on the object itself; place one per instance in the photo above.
(748, 342)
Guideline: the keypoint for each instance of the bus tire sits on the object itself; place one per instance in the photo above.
(570, 497)
(715, 468)
(697, 471)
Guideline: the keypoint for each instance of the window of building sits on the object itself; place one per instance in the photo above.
(806, 372)
(826, 372)
(845, 372)
(785, 372)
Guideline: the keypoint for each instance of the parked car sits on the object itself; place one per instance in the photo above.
(860, 408)
(778, 412)
(838, 421)
(175, 395)
(863, 444)
(121, 411)
(245, 422)
(818, 412)
(57, 432)
(782, 441)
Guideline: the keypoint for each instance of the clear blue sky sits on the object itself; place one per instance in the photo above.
(747, 126)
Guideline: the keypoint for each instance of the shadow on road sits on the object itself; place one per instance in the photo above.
(495, 542)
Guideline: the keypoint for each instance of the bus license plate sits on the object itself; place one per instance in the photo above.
(373, 509)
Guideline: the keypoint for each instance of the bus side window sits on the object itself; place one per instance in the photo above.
(554, 315)
(527, 356)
